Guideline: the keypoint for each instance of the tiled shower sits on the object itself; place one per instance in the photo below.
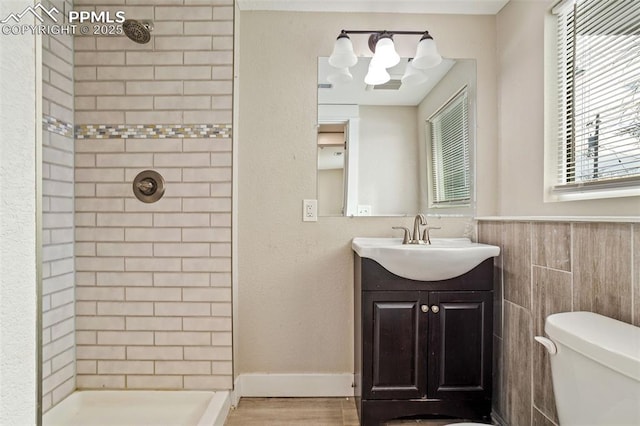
(135, 295)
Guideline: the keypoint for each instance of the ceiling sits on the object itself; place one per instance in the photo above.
(466, 7)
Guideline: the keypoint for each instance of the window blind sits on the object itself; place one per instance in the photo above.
(599, 98)
(450, 167)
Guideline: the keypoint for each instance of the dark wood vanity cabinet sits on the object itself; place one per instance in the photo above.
(422, 348)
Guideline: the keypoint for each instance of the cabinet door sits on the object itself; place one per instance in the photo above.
(460, 345)
(393, 361)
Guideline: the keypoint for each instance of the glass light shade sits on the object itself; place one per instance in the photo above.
(341, 76)
(377, 75)
(427, 55)
(343, 55)
(413, 76)
(385, 54)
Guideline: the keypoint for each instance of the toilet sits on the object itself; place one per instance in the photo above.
(595, 367)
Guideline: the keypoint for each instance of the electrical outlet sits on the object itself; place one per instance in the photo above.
(309, 210)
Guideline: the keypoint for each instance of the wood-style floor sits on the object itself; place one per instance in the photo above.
(305, 412)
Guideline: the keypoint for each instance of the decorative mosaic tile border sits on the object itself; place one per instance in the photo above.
(52, 124)
(152, 131)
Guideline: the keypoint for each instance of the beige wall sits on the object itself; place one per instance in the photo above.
(520, 47)
(295, 279)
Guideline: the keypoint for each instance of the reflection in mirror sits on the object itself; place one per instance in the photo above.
(384, 169)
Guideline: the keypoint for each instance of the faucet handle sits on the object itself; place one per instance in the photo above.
(425, 233)
(405, 239)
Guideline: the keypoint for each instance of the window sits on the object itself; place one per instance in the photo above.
(450, 173)
(598, 95)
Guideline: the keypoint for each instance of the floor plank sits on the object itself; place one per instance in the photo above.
(307, 412)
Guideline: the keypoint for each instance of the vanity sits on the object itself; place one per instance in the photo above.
(423, 329)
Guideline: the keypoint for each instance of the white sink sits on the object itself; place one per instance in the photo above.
(444, 258)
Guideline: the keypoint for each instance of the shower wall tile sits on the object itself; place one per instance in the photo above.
(58, 331)
(154, 282)
(569, 266)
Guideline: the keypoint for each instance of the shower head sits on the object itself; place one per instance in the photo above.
(138, 31)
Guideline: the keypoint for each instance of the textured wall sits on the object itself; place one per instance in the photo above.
(154, 280)
(295, 292)
(545, 268)
(58, 326)
(18, 278)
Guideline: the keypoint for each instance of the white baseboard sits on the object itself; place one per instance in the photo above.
(293, 385)
(218, 409)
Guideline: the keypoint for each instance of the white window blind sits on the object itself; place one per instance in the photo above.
(599, 94)
(450, 166)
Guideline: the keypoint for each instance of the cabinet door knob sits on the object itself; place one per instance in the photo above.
(424, 308)
(435, 309)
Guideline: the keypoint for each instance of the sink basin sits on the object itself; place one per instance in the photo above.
(443, 259)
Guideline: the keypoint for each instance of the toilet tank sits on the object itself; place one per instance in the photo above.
(596, 370)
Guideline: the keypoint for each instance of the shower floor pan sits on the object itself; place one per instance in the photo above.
(140, 408)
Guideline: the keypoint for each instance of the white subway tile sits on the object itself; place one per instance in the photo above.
(153, 234)
(126, 103)
(155, 323)
(215, 57)
(180, 279)
(217, 294)
(64, 235)
(100, 382)
(99, 58)
(219, 190)
(213, 116)
(125, 367)
(124, 249)
(60, 267)
(184, 309)
(215, 87)
(50, 349)
(222, 72)
(189, 189)
(85, 190)
(221, 367)
(221, 309)
(165, 204)
(84, 73)
(207, 324)
(99, 323)
(85, 278)
(221, 279)
(58, 251)
(168, 27)
(100, 293)
(181, 160)
(63, 359)
(222, 43)
(206, 205)
(200, 174)
(154, 145)
(99, 145)
(151, 264)
(91, 117)
(182, 102)
(125, 308)
(222, 102)
(85, 160)
(207, 145)
(99, 204)
(170, 174)
(86, 367)
(153, 58)
(181, 249)
(154, 87)
(99, 264)
(85, 249)
(180, 219)
(124, 219)
(86, 337)
(112, 189)
(139, 117)
(125, 338)
(121, 43)
(100, 88)
(154, 294)
(100, 352)
(182, 42)
(183, 338)
(222, 235)
(183, 367)
(217, 264)
(221, 338)
(99, 234)
(171, 72)
(222, 13)
(180, 13)
(57, 283)
(100, 175)
(126, 73)
(86, 308)
(124, 160)
(208, 28)
(154, 382)
(153, 353)
(124, 279)
(60, 313)
(56, 156)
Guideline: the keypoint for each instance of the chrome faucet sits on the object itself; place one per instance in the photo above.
(420, 220)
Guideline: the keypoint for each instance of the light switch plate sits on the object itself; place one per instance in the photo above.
(309, 210)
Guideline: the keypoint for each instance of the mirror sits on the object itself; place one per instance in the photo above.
(372, 141)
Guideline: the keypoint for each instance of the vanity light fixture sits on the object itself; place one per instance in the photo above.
(384, 56)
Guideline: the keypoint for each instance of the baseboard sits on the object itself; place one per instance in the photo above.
(293, 385)
(217, 410)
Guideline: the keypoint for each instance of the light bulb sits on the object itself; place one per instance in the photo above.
(385, 53)
(427, 55)
(377, 75)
